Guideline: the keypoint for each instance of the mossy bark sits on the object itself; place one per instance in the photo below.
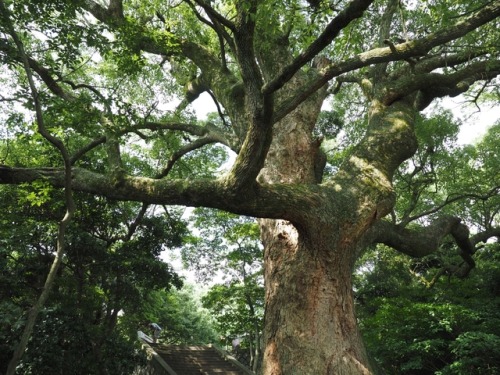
(310, 322)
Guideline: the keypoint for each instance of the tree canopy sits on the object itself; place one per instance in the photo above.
(100, 94)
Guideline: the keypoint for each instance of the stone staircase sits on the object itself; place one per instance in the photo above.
(198, 360)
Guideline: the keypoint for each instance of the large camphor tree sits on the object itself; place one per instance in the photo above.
(99, 75)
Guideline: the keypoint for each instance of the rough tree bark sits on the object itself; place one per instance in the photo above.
(310, 320)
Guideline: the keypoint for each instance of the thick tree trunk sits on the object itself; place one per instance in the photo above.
(310, 324)
(310, 321)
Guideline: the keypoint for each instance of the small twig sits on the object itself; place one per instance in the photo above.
(219, 110)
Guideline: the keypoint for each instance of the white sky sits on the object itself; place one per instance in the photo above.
(475, 121)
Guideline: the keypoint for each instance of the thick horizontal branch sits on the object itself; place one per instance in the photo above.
(486, 235)
(267, 201)
(147, 190)
(426, 240)
(444, 60)
(436, 85)
(449, 60)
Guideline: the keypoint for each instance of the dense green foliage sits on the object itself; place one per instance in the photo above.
(178, 312)
(97, 127)
(416, 315)
(111, 284)
(409, 328)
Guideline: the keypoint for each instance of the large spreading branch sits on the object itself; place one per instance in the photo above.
(425, 240)
(394, 52)
(275, 201)
(449, 200)
(485, 235)
(209, 64)
(385, 33)
(258, 107)
(445, 60)
(217, 78)
(209, 133)
(435, 85)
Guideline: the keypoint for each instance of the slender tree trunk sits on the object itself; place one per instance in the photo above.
(68, 194)
(35, 309)
(256, 351)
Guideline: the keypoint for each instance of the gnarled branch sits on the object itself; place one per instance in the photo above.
(426, 240)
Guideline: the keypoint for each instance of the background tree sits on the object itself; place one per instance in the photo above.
(269, 67)
(110, 265)
(410, 328)
(224, 251)
(180, 314)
